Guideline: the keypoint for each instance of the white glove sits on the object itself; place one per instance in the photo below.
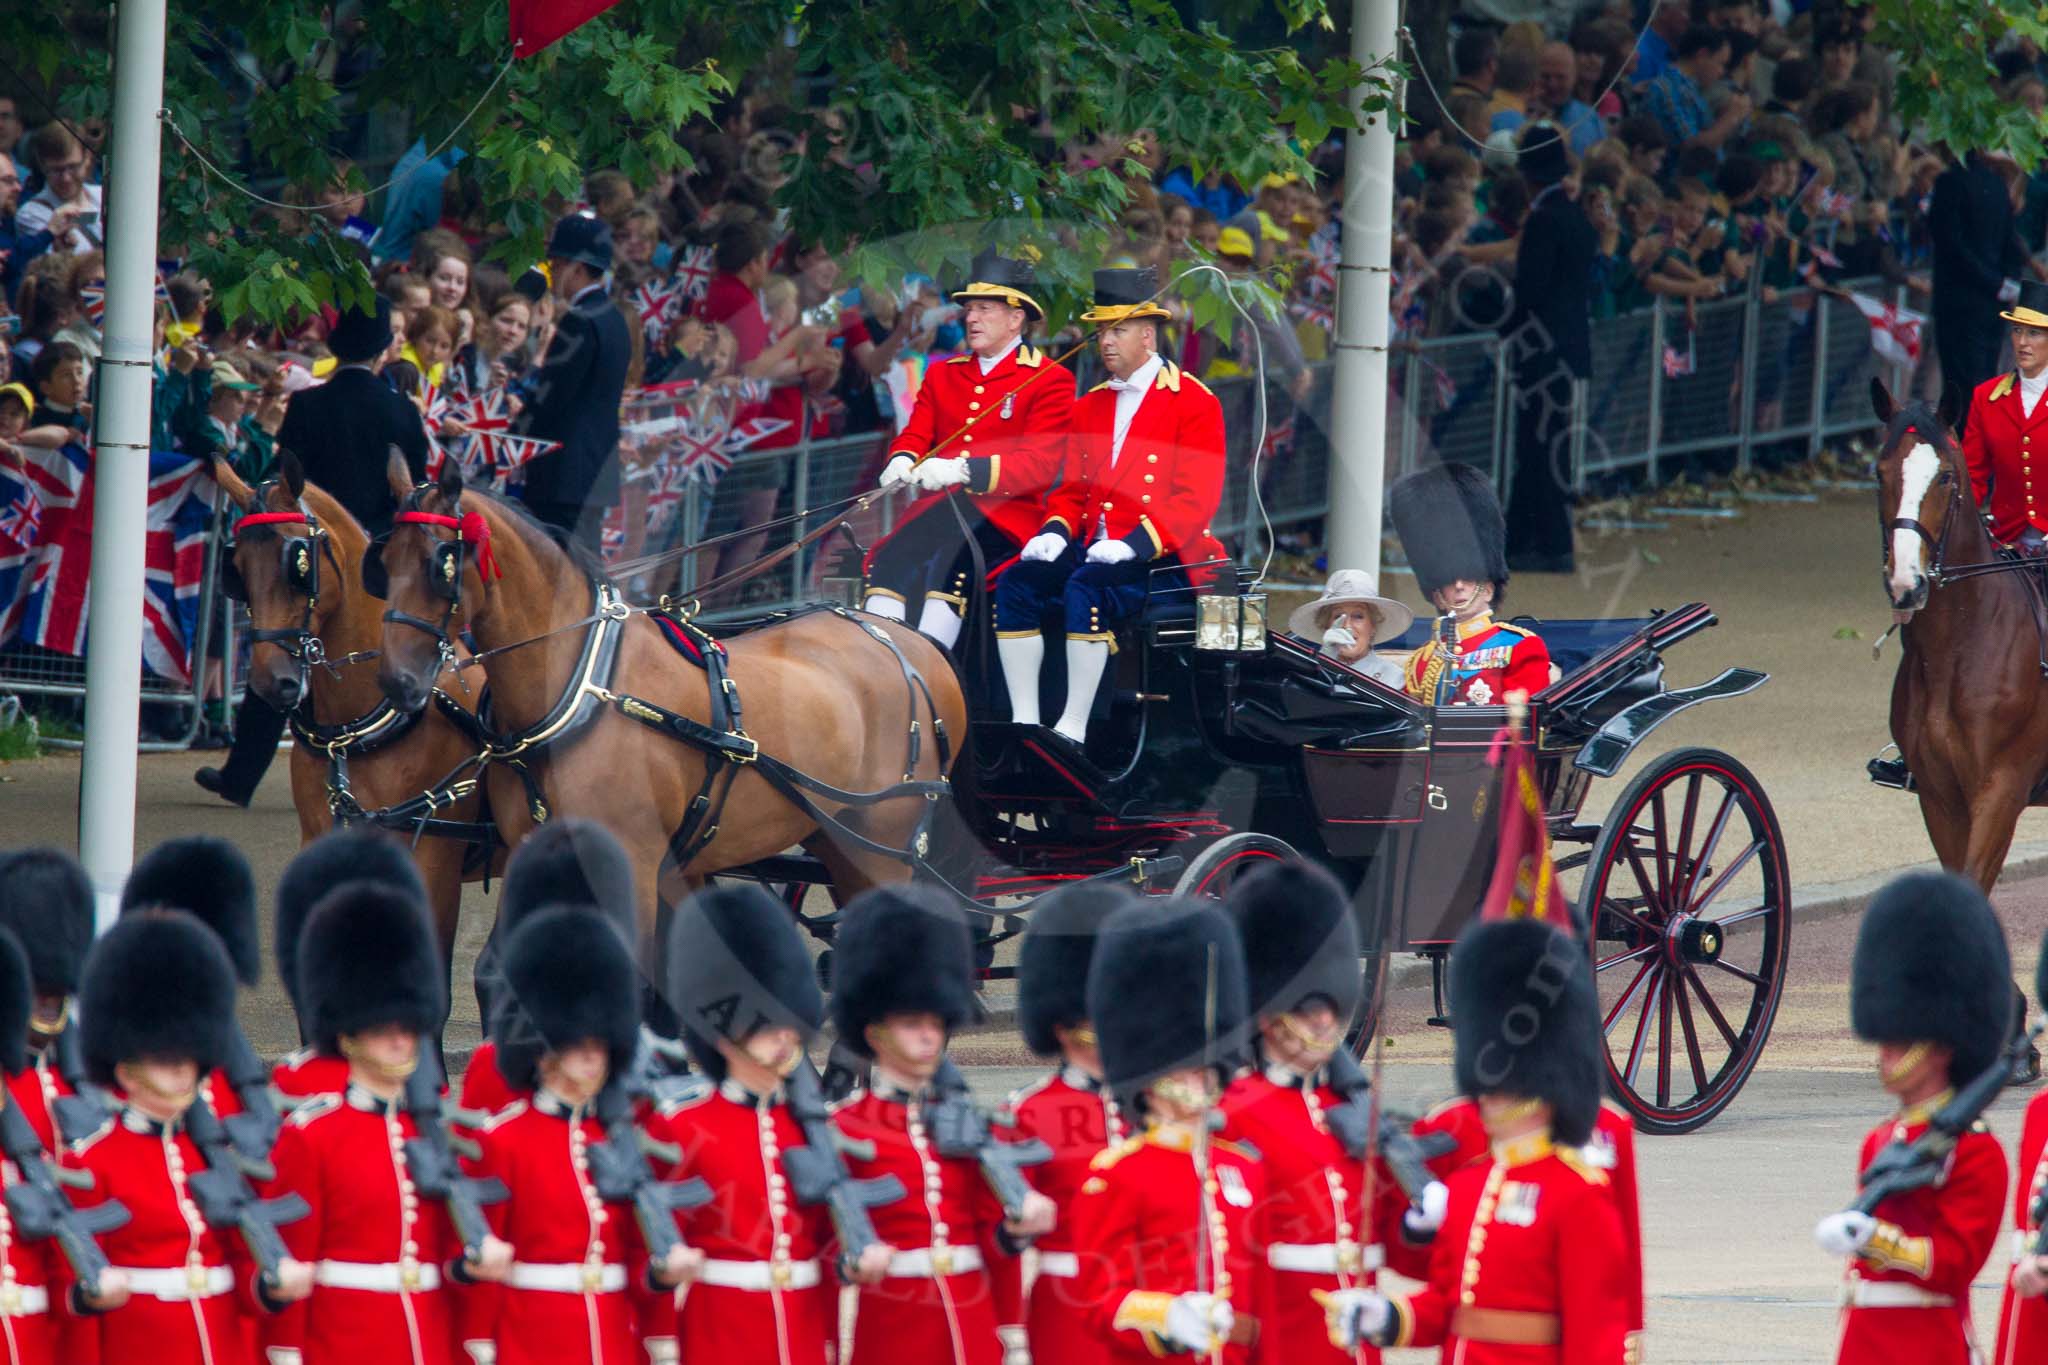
(932, 475)
(1354, 1316)
(1338, 638)
(1044, 547)
(896, 471)
(1016, 1345)
(1845, 1233)
(1426, 1215)
(482, 1352)
(1196, 1322)
(2009, 292)
(1111, 552)
(664, 1351)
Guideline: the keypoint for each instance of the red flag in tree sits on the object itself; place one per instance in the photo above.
(536, 23)
(1524, 881)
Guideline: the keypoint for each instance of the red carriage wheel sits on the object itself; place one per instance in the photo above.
(1689, 898)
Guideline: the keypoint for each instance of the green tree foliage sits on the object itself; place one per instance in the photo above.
(1948, 89)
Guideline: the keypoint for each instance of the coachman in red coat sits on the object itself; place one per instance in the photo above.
(2006, 414)
(1910, 1260)
(988, 423)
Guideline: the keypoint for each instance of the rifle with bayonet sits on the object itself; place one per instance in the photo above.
(40, 1209)
(84, 1111)
(225, 1197)
(430, 1156)
(619, 1171)
(960, 1129)
(254, 1130)
(817, 1170)
(1406, 1155)
(1901, 1166)
(660, 1070)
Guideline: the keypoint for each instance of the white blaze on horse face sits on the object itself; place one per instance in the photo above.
(1909, 548)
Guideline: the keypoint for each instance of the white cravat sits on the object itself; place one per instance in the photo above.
(2031, 390)
(989, 362)
(1129, 394)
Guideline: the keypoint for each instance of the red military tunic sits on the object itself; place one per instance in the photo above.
(1947, 1232)
(2023, 1323)
(1530, 1233)
(309, 1072)
(186, 1276)
(1077, 1117)
(1148, 1229)
(1320, 1234)
(948, 1218)
(1998, 444)
(484, 1088)
(37, 1088)
(1492, 660)
(768, 1293)
(34, 1280)
(574, 1256)
(1161, 492)
(378, 1252)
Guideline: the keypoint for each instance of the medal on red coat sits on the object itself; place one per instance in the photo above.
(1009, 404)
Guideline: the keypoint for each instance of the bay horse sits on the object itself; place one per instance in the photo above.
(1970, 701)
(300, 615)
(818, 692)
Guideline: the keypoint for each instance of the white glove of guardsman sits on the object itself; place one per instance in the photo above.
(898, 470)
(1426, 1215)
(1044, 547)
(1845, 1233)
(1111, 552)
(1355, 1316)
(1197, 1322)
(1016, 1345)
(935, 474)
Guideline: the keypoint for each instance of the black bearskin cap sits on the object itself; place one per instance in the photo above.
(1527, 1020)
(1299, 939)
(736, 964)
(568, 977)
(1148, 991)
(356, 854)
(158, 984)
(900, 949)
(1052, 963)
(1931, 966)
(209, 879)
(370, 960)
(46, 902)
(1451, 527)
(17, 1003)
(570, 861)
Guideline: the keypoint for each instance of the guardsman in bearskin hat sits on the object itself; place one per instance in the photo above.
(157, 1008)
(902, 982)
(2023, 1316)
(1931, 985)
(1450, 525)
(1331, 1222)
(369, 986)
(1142, 476)
(1073, 1110)
(46, 902)
(989, 423)
(566, 1020)
(742, 981)
(360, 853)
(1530, 1264)
(564, 862)
(1167, 1223)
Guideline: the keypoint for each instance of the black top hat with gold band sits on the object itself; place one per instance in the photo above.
(1125, 293)
(2030, 309)
(999, 277)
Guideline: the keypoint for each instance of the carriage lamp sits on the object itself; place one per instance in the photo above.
(1232, 624)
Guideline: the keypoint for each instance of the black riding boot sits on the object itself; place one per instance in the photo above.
(258, 727)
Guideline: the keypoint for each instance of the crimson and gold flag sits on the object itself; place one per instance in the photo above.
(1524, 881)
(536, 23)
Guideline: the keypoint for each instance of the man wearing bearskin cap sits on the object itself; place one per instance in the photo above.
(1529, 1266)
(1451, 527)
(566, 1020)
(902, 982)
(2023, 1315)
(1931, 985)
(369, 986)
(742, 982)
(157, 1006)
(46, 901)
(989, 423)
(1173, 1258)
(1072, 1110)
(1331, 1221)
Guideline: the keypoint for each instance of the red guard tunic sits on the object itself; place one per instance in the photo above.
(767, 1293)
(1527, 1268)
(1075, 1115)
(1909, 1298)
(1149, 1227)
(34, 1279)
(309, 1072)
(937, 1306)
(574, 1255)
(2023, 1323)
(484, 1088)
(37, 1088)
(1998, 444)
(1319, 1233)
(185, 1275)
(378, 1253)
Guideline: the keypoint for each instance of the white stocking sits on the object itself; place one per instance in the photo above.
(939, 621)
(888, 608)
(1085, 661)
(1022, 657)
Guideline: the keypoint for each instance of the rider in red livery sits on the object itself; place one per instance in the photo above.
(2005, 417)
(1910, 1261)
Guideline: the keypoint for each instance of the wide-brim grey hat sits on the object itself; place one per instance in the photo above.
(1345, 587)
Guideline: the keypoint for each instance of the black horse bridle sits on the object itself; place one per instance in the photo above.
(300, 557)
(447, 561)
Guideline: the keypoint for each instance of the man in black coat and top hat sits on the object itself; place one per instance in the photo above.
(1530, 1264)
(902, 982)
(1450, 526)
(990, 423)
(577, 389)
(1931, 985)
(743, 983)
(1168, 1225)
(46, 901)
(1978, 261)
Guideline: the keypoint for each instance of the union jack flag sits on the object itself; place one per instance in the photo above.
(753, 431)
(693, 272)
(22, 522)
(1678, 364)
(665, 493)
(93, 297)
(1314, 312)
(1446, 389)
(1323, 260)
(702, 452)
(1833, 203)
(657, 302)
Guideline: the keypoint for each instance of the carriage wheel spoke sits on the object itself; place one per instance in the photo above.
(1713, 1010)
(1681, 864)
(1652, 897)
(1621, 1005)
(1635, 1048)
(1708, 846)
(1727, 875)
(1751, 977)
(1663, 846)
(1630, 956)
(1664, 1039)
(1745, 916)
(1692, 1038)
